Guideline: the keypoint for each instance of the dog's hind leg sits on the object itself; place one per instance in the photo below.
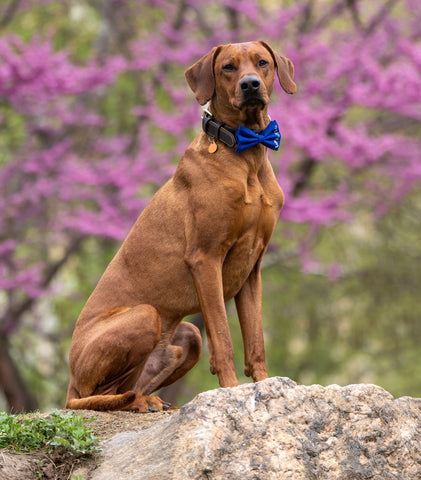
(108, 357)
(170, 361)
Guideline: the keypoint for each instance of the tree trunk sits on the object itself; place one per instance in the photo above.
(17, 395)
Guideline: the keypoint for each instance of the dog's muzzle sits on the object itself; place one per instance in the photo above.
(250, 90)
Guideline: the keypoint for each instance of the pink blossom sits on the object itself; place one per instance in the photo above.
(77, 172)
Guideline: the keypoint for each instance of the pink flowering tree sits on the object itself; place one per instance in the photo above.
(88, 137)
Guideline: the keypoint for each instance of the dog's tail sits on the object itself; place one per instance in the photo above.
(102, 402)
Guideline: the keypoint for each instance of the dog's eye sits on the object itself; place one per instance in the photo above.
(263, 63)
(228, 67)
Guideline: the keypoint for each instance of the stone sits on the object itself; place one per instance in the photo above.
(275, 429)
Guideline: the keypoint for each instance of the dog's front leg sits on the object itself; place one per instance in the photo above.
(249, 308)
(207, 275)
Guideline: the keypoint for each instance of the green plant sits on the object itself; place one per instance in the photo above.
(56, 431)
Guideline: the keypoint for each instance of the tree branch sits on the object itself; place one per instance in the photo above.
(306, 170)
(352, 5)
(335, 10)
(278, 256)
(17, 395)
(383, 11)
(13, 313)
(9, 13)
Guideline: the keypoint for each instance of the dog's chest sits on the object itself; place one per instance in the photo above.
(257, 203)
(258, 207)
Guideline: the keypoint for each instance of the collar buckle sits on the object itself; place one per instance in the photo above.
(218, 130)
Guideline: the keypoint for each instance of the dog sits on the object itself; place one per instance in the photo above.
(197, 244)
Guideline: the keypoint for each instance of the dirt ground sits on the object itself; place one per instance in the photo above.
(107, 424)
(60, 466)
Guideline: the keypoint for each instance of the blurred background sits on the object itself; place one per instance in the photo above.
(94, 115)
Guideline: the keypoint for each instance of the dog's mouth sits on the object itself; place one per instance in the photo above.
(255, 101)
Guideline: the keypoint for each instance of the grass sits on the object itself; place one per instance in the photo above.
(57, 431)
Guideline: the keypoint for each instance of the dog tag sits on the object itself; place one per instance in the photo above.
(213, 147)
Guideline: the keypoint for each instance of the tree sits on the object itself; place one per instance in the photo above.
(92, 126)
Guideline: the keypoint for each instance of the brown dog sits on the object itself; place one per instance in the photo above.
(198, 243)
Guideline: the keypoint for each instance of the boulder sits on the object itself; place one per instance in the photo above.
(275, 429)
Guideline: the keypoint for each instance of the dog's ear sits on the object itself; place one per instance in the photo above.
(285, 69)
(200, 77)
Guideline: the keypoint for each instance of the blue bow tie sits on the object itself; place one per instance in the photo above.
(246, 138)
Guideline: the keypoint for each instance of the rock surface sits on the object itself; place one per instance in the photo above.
(274, 429)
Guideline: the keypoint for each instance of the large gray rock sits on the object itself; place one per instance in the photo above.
(275, 429)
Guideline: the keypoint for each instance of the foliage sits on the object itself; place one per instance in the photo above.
(67, 432)
(95, 112)
(79, 172)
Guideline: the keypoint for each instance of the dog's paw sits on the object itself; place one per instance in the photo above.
(146, 403)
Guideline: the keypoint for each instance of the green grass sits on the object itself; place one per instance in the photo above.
(67, 432)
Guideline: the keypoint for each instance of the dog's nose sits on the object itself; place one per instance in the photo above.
(250, 84)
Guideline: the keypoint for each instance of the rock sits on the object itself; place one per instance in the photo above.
(275, 429)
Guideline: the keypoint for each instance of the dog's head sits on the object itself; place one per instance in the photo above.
(240, 76)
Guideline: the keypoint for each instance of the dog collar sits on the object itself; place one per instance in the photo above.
(244, 138)
(218, 130)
